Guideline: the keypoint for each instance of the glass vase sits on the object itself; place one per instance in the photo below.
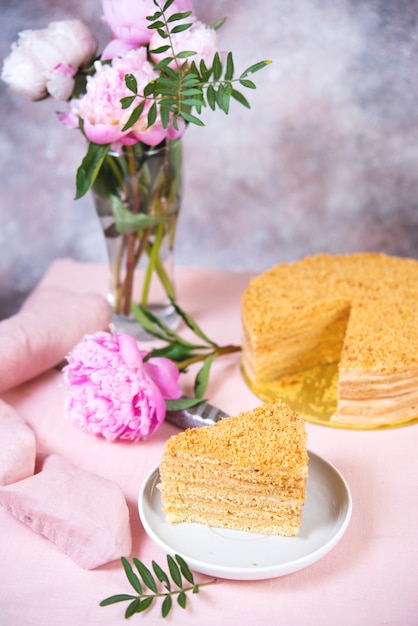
(137, 195)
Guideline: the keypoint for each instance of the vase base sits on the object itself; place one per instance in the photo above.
(129, 324)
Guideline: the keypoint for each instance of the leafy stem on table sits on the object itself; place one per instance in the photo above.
(178, 573)
(182, 351)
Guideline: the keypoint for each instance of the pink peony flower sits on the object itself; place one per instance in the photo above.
(111, 390)
(101, 110)
(127, 19)
(199, 38)
(45, 61)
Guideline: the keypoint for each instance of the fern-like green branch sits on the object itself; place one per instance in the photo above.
(182, 351)
(183, 92)
(151, 585)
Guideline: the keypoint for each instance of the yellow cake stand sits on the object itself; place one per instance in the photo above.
(313, 394)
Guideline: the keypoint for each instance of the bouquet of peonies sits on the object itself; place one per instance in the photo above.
(132, 102)
(160, 68)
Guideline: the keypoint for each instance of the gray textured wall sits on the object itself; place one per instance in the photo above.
(325, 160)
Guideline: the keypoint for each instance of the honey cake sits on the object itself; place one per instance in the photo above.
(358, 310)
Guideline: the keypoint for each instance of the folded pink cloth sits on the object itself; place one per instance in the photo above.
(49, 324)
(85, 515)
(17, 446)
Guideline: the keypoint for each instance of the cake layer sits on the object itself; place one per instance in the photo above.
(383, 398)
(288, 526)
(225, 494)
(202, 467)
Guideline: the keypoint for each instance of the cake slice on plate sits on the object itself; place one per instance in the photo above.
(246, 472)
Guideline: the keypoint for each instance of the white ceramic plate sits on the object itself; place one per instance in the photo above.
(238, 555)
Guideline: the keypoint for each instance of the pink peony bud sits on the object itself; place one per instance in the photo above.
(128, 18)
(112, 392)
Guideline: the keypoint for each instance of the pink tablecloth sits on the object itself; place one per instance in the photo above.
(369, 578)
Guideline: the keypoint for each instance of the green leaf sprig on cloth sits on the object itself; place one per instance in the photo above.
(182, 351)
(178, 570)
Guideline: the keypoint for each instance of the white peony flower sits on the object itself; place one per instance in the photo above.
(45, 61)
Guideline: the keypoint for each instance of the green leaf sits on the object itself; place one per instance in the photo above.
(184, 569)
(239, 97)
(167, 5)
(159, 50)
(182, 403)
(192, 91)
(152, 18)
(182, 599)
(165, 115)
(127, 101)
(255, 68)
(180, 28)
(202, 377)
(191, 102)
(167, 82)
(204, 71)
(173, 75)
(131, 576)
(135, 115)
(190, 79)
(174, 570)
(152, 114)
(147, 577)
(178, 16)
(185, 54)
(218, 23)
(148, 322)
(90, 167)
(162, 66)
(156, 327)
(211, 97)
(188, 117)
(217, 67)
(157, 25)
(132, 608)
(229, 73)
(131, 83)
(174, 351)
(223, 97)
(127, 222)
(120, 597)
(144, 605)
(166, 606)
(189, 321)
(161, 575)
(247, 83)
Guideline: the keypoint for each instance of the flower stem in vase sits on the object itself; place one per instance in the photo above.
(138, 200)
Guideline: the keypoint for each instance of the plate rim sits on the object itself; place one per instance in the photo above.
(263, 572)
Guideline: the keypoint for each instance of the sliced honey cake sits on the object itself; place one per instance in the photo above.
(246, 472)
(360, 311)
